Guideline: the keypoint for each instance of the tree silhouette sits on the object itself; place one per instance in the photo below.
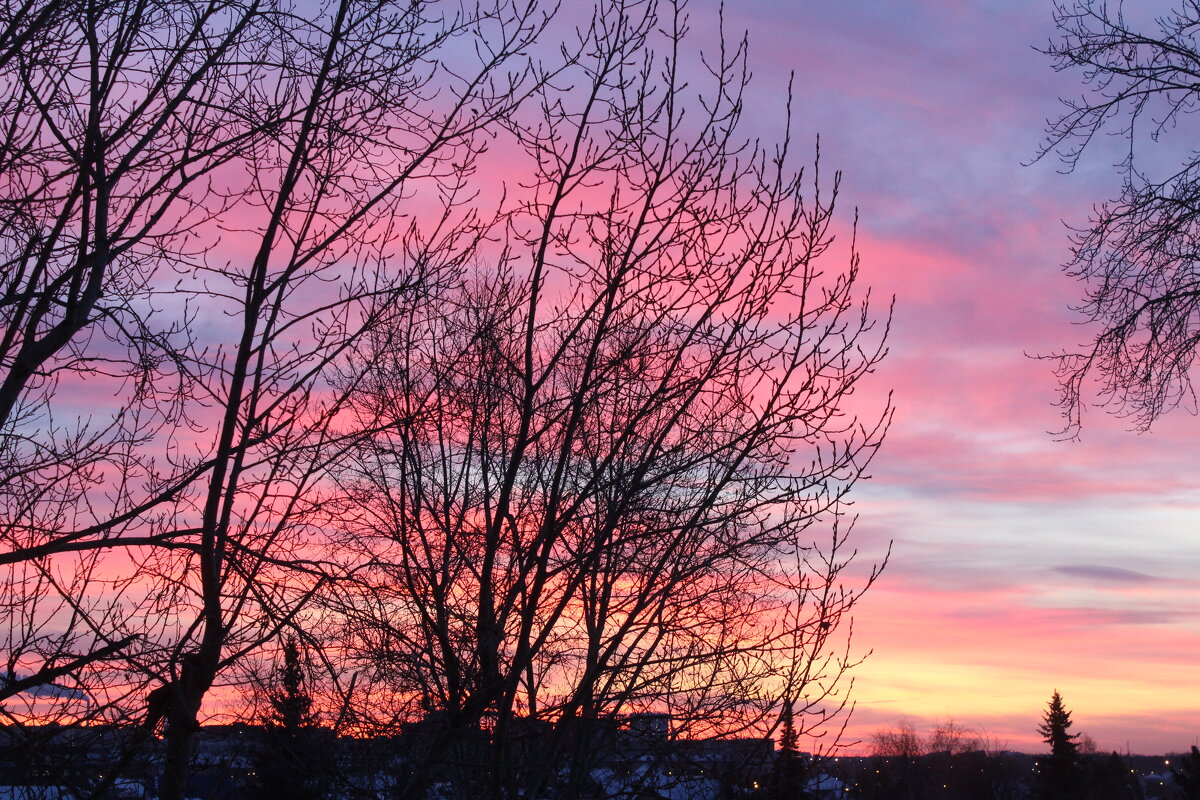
(563, 441)
(787, 777)
(295, 758)
(1187, 774)
(291, 703)
(610, 469)
(1136, 256)
(903, 773)
(202, 204)
(1109, 778)
(1054, 730)
(902, 742)
(1059, 773)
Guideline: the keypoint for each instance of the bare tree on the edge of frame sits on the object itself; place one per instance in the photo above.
(612, 465)
(1137, 254)
(87, 171)
(204, 204)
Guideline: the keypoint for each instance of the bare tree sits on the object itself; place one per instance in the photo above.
(612, 464)
(115, 117)
(1136, 256)
(591, 453)
(903, 741)
(205, 207)
(950, 737)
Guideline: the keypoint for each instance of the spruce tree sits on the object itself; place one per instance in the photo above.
(291, 703)
(1187, 775)
(293, 764)
(1054, 730)
(1059, 773)
(788, 776)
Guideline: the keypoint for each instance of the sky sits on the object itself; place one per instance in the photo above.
(1021, 563)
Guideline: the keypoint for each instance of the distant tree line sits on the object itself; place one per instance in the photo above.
(955, 762)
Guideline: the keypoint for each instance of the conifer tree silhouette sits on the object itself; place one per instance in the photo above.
(292, 763)
(1187, 775)
(788, 776)
(1058, 775)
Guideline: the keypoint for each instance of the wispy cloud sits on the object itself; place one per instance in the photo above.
(1091, 572)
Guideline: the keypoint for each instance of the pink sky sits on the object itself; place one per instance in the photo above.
(1021, 564)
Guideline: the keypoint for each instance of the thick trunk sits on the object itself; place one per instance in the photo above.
(180, 740)
(195, 677)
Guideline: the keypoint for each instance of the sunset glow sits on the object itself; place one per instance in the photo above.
(617, 399)
(1021, 563)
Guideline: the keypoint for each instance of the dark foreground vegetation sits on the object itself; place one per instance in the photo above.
(1003, 776)
(957, 762)
(631, 760)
